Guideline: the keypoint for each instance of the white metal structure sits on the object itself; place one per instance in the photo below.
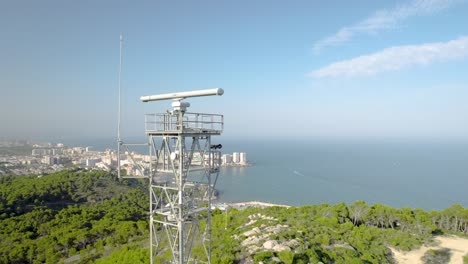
(182, 95)
(183, 170)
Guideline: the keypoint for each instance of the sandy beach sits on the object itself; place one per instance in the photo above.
(255, 204)
(458, 247)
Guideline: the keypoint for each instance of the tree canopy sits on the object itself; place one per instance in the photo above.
(75, 216)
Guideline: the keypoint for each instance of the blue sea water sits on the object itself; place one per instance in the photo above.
(396, 173)
(429, 175)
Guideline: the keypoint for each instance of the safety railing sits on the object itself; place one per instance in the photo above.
(191, 123)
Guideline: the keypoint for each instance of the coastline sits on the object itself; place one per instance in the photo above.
(258, 204)
(236, 165)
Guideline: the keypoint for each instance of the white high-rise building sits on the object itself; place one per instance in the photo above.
(243, 158)
(226, 159)
(235, 157)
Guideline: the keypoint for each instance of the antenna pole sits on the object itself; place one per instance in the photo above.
(119, 141)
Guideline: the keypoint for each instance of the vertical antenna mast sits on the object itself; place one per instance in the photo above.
(119, 141)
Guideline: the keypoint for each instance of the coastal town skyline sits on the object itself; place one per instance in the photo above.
(47, 157)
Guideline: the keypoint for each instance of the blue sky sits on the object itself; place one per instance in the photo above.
(334, 69)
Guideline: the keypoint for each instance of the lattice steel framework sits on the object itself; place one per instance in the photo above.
(183, 171)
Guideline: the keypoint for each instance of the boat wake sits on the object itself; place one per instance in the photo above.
(298, 173)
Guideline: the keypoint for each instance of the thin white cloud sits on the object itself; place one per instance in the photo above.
(384, 20)
(396, 58)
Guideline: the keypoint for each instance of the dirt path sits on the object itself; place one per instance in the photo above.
(458, 247)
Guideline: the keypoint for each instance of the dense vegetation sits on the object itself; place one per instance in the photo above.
(357, 233)
(67, 214)
(81, 217)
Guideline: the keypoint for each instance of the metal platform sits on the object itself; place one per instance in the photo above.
(192, 124)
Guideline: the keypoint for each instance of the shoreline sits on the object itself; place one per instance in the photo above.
(258, 204)
(234, 165)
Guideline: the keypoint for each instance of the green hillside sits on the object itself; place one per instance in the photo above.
(83, 217)
(70, 214)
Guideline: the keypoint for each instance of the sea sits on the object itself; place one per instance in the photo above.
(399, 173)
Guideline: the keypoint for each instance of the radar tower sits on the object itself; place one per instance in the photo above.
(183, 171)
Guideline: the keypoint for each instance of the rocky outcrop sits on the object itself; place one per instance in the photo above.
(257, 238)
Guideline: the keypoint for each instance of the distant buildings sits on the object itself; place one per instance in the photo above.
(47, 157)
(226, 159)
(50, 160)
(243, 158)
(92, 162)
(39, 152)
(237, 158)
(78, 150)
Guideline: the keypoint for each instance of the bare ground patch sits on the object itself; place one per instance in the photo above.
(458, 247)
